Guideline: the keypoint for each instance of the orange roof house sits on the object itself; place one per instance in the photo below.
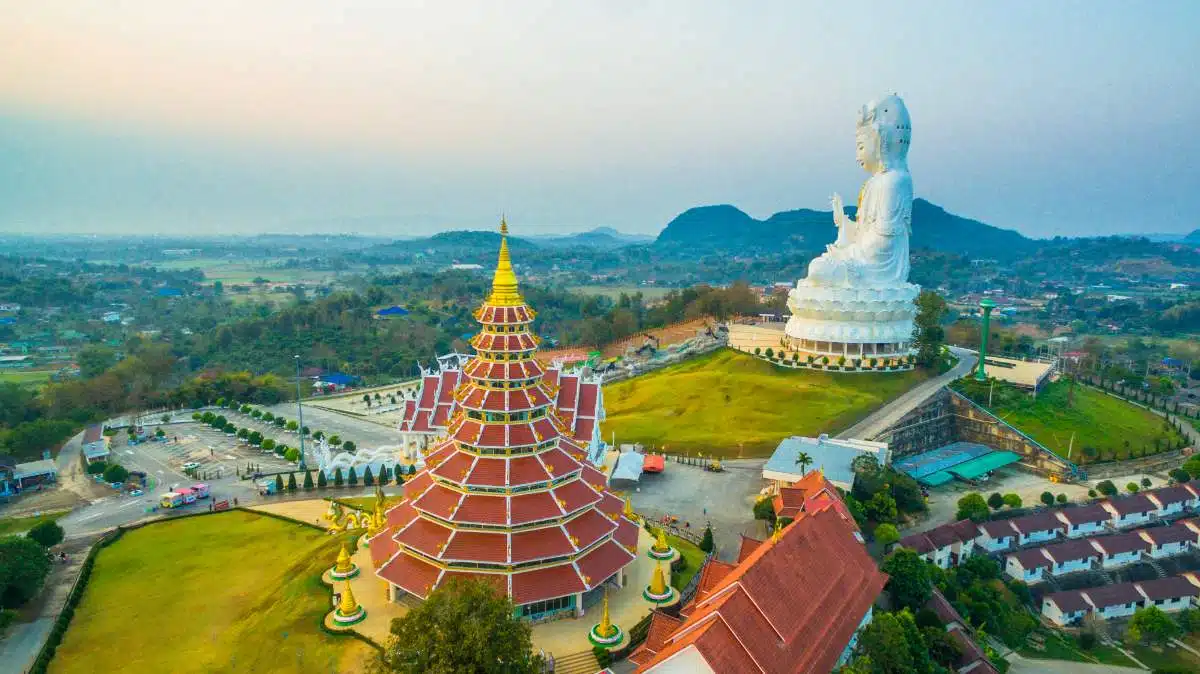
(810, 492)
(793, 603)
(507, 493)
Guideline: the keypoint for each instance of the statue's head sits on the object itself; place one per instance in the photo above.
(883, 134)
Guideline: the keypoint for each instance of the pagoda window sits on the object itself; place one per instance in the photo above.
(519, 416)
(474, 414)
(494, 416)
(538, 413)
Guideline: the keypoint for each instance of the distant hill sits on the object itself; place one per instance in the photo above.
(726, 227)
(600, 237)
(1194, 237)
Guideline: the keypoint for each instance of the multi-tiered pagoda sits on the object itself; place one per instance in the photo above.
(507, 495)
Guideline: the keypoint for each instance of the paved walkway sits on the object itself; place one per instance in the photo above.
(889, 414)
(24, 639)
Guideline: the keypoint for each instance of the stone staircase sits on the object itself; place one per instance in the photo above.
(1162, 573)
(577, 663)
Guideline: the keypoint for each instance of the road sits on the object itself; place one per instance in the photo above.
(881, 419)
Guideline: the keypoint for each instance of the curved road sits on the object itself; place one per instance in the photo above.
(889, 414)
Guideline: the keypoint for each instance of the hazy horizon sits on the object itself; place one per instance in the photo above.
(215, 118)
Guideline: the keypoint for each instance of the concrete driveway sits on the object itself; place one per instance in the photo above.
(889, 414)
(696, 496)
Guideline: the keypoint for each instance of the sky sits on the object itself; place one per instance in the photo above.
(403, 118)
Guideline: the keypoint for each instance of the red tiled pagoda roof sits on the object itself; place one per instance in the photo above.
(512, 428)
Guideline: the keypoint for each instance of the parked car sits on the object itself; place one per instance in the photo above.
(136, 492)
(190, 465)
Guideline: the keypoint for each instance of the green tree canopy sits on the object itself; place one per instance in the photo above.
(1153, 625)
(47, 533)
(23, 569)
(930, 336)
(464, 626)
(910, 583)
(995, 501)
(886, 534)
(972, 507)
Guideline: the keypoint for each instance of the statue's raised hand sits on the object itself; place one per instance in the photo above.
(839, 209)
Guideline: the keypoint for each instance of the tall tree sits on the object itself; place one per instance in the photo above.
(23, 569)
(928, 334)
(465, 626)
(910, 583)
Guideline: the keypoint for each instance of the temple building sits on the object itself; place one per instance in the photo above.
(793, 603)
(507, 495)
(578, 400)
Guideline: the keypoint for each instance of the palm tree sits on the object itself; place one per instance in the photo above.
(804, 461)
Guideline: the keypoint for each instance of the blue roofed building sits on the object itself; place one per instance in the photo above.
(392, 312)
(833, 456)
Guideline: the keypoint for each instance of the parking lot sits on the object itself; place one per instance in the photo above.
(696, 496)
(215, 454)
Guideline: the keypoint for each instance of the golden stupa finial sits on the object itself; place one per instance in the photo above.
(606, 629)
(348, 606)
(778, 533)
(658, 582)
(628, 507)
(343, 561)
(504, 283)
(661, 545)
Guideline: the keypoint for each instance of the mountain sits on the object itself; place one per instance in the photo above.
(600, 237)
(728, 228)
(1194, 237)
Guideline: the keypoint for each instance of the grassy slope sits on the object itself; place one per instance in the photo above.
(16, 525)
(694, 556)
(712, 403)
(1096, 419)
(218, 593)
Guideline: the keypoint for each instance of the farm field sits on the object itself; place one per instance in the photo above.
(651, 293)
(231, 592)
(34, 378)
(714, 403)
(1113, 428)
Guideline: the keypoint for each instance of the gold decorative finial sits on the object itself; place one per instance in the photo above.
(348, 606)
(661, 545)
(504, 283)
(778, 533)
(629, 508)
(658, 582)
(606, 629)
(343, 561)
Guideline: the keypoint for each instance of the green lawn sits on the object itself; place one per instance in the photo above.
(1113, 427)
(16, 525)
(694, 556)
(714, 403)
(231, 592)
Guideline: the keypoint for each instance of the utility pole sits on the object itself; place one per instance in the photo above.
(300, 416)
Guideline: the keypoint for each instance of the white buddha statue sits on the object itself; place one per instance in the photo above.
(872, 250)
(856, 301)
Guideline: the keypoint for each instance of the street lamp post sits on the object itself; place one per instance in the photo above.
(300, 415)
(986, 304)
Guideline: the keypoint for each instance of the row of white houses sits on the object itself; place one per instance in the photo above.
(949, 544)
(1170, 594)
(1034, 565)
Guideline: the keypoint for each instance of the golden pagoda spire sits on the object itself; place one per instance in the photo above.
(658, 582)
(778, 533)
(343, 561)
(628, 507)
(606, 628)
(348, 606)
(661, 544)
(504, 283)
